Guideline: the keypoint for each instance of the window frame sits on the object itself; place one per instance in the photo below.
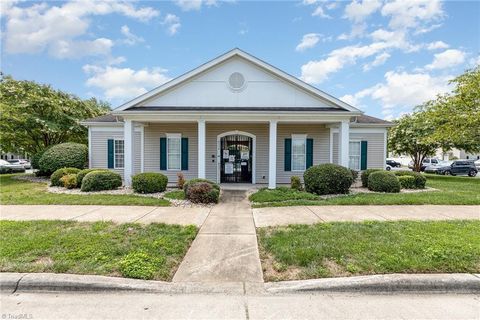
(115, 166)
(359, 155)
(304, 138)
(179, 137)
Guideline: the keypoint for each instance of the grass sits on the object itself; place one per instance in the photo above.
(176, 195)
(13, 191)
(344, 249)
(451, 191)
(101, 248)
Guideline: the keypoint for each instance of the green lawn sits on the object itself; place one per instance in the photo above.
(151, 251)
(452, 191)
(14, 191)
(344, 249)
(176, 194)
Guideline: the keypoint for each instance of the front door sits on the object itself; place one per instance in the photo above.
(236, 159)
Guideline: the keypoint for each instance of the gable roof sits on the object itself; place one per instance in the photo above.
(232, 53)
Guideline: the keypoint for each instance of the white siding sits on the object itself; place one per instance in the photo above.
(375, 149)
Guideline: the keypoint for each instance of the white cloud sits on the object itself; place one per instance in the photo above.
(124, 83)
(320, 13)
(358, 11)
(379, 60)
(74, 49)
(358, 30)
(407, 14)
(309, 40)
(130, 38)
(437, 45)
(172, 22)
(189, 5)
(447, 59)
(41, 27)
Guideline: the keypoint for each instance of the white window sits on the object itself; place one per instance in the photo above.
(174, 151)
(299, 151)
(355, 155)
(119, 154)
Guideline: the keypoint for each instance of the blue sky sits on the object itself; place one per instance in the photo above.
(384, 57)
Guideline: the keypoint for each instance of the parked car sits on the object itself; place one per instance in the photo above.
(393, 163)
(433, 168)
(7, 167)
(426, 162)
(459, 167)
(25, 163)
(477, 164)
(388, 167)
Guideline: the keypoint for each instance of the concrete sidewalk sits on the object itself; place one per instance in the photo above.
(278, 216)
(120, 214)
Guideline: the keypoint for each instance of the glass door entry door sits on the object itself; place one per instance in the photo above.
(236, 159)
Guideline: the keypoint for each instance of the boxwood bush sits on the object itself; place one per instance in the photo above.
(407, 182)
(197, 180)
(69, 181)
(149, 182)
(83, 173)
(383, 181)
(327, 178)
(101, 180)
(295, 183)
(65, 155)
(365, 175)
(55, 179)
(420, 180)
(202, 192)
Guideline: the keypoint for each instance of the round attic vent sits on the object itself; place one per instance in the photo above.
(236, 81)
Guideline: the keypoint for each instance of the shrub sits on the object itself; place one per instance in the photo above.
(365, 175)
(354, 175)
(295, 183)
(420, 180)
(69, 181)
(149, 182)
(327, 178)
(383, 181)
(101, 180)
(83, 173)
(202, 192)
(36, 159)
(196, 180)
(180, 180)
(58, 174)
(407, 182)
(140, 265)
(72, 155)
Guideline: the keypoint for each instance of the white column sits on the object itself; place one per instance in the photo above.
(344, 139)
(142, 148)
(128, 136)
(201, 149)
(272, 155)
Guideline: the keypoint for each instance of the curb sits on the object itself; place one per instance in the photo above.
(391, 283)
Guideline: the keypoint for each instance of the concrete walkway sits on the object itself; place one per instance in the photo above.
(278, 216)
(225, 249)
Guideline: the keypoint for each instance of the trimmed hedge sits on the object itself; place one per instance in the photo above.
(383, 181)
(203, 192)
(69, 181)
(296, 183)
(365, 175)
(327, 178)
(196, 180)
(407, 182)
(55, 179)
(83, 173)
(65, 155)
(101, 180)
(149, 182)
(420, 180)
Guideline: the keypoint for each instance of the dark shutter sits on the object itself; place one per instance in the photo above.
(110, 154)
(163, 153)
(184, 153)
(363, 157)
(288, 155)
(309, 161)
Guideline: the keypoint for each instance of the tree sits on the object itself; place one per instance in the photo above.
(456, 115)
(35, 116)
(411, 136)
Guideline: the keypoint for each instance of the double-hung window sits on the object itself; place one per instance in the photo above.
(119, 154)
(299, 150)
(174, 151)
(355, 155)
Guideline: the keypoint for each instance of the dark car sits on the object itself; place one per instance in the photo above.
(393, 163)
(459, 167)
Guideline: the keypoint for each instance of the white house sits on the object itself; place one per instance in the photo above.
(235, 119)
